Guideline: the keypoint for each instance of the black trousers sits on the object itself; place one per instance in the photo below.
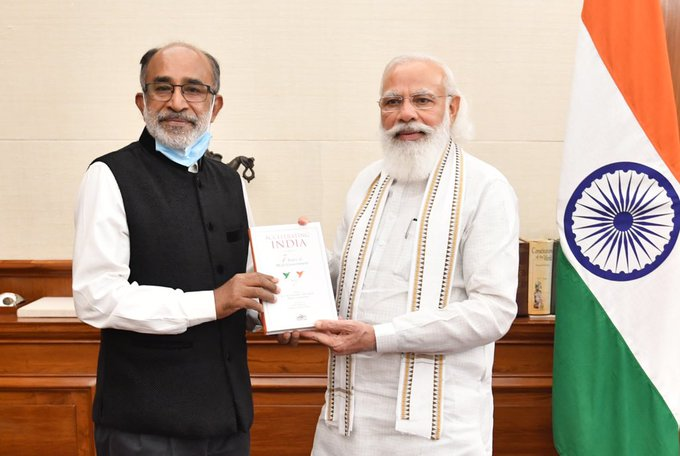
(112, 442)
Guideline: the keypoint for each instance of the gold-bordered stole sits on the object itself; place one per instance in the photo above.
(447, 277)
(369, 208)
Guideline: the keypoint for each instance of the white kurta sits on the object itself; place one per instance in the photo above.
(480, 311)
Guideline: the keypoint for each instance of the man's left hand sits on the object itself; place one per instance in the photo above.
(289, 338)
(343, 337)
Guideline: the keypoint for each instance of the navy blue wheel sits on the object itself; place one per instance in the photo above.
(621, 222)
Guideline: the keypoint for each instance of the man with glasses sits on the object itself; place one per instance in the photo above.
(425, 263)
(160, 254)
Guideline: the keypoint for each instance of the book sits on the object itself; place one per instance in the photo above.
(540, 269)
(296, 255)
(557, 248)
(523, 279)
(48, 307)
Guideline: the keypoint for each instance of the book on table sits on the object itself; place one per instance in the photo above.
(522, 298)
(540, 276)
(49, 306)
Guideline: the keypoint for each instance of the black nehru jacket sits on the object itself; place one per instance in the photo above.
(187, 231)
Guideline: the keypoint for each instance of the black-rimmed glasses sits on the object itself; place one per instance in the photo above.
(192, 92)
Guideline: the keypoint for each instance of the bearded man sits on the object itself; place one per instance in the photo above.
(425, 264)
(160, 254)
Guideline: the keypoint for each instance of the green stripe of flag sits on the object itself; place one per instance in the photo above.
(603, 402)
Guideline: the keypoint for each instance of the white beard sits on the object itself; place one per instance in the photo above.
(175, 138)
(414, 160)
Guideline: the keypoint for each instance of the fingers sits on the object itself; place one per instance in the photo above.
(302, 220)
(259, 280)
(289, 338)
(335, 326)
(248, 303)
(283, 338)
(260, 293)
(243, 292)
(255, 285)
(309, 334)
(343, 337)
(317, 336)
(262, 286)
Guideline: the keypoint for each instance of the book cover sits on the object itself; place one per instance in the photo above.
(555, 271)
(296, 255)
(540, 267)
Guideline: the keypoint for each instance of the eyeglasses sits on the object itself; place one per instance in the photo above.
(421, 102)
(192, 92)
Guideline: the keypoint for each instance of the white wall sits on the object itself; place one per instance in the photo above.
(300, 80)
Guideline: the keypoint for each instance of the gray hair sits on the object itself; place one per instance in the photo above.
(461, 129)
(148, 55)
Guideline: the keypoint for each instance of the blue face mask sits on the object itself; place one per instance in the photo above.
(194, 152)
(191, 154)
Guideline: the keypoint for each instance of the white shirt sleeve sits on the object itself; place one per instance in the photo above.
(103, 296)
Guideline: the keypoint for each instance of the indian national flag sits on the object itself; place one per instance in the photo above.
(617, 337)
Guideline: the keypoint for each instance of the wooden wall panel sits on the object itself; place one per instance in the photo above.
(522, 389)
(526, 350)
(55, 424)
(52, 416)
(267, 357)
(38, 358)
(286, 412)
(523, 417)
(35, 279)
(48, 370)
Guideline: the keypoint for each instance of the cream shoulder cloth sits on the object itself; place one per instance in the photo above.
(420, 402)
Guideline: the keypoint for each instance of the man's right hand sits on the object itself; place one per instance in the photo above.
(243, 291)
